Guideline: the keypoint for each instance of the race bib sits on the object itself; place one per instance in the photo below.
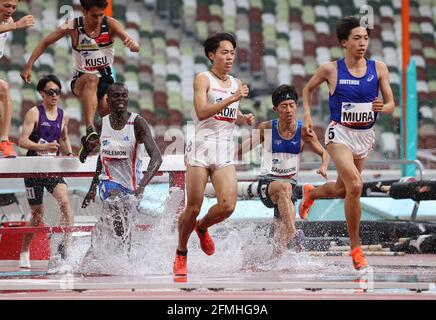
(357, 113)
(229, 113)
(45, 153)
(284, 164)
(94, 60)
(114, 151)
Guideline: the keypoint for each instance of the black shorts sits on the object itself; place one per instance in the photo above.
(35, 188)
(103, 84)
(262, 190)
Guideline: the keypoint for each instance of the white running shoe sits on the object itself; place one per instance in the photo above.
(25, 260)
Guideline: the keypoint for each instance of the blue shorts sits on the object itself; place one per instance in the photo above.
(106, 187)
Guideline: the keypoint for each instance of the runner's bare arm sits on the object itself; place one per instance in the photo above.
(321, 75)
(24, 22)
(59, 33)
(387, 106)
(143, 135)
(314, 144)
(117, 30)
(250, 143)
(65, 138)
(245, 119)
(90, 196)
(205, 110)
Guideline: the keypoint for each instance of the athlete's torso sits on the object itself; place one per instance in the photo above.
(91, 54)
(120, 154)
(281, 157)
(351, 102)
(46, 131)
(220, 126)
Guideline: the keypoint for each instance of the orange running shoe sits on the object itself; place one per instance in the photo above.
(179, 267)
(359, 260)
(7, 149)
(306, 201)
(206, 241)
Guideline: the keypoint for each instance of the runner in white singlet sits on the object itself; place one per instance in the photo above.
(210, 149)
(124, 139)
(212, 145)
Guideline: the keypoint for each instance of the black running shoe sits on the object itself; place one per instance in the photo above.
(86, 147)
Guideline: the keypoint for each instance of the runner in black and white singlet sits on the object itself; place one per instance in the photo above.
(354, 84)
(7, 25)
(210, 149)
(45, 133)
(92, 37)
(283, 142)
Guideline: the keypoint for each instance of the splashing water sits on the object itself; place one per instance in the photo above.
(241, 246)
(111, 238)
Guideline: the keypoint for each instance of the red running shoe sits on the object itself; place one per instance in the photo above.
(306, 202)
(206, 241)
(7, 148)
(359, 260)
(179, 267)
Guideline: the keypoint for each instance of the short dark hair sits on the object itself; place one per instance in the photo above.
(212, 43)
(282, 93)
(46, 79)
(114, 85)
(345, 25)
(88, 4)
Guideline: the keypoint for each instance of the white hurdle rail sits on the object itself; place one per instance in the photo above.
(49, 166)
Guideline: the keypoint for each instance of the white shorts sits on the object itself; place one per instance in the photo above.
(360, 142)
(210, 154)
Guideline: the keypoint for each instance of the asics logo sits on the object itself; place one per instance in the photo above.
(370, 78)
(348, 106)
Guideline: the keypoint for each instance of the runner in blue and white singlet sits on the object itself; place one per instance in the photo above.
(354, 84)
(281, 157)
(351, 103)
(283, 142)
(351, 109)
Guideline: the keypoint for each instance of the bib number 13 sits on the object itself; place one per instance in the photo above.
(331, 133)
